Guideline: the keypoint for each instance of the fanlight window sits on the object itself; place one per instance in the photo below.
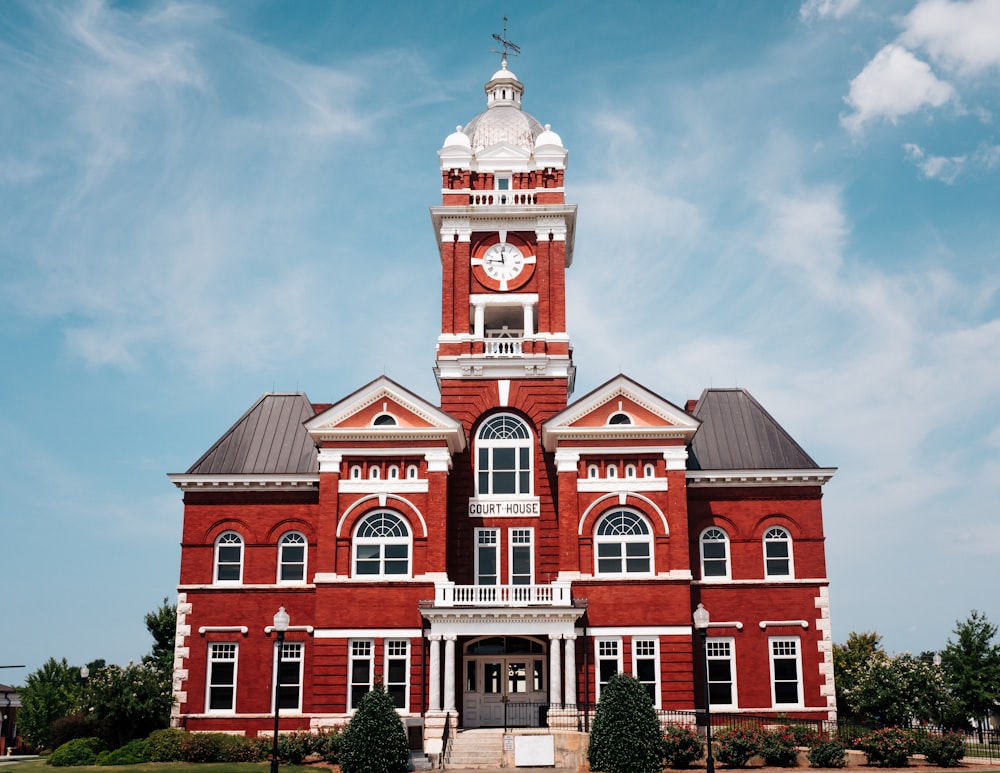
(503, 457)
(777, 553)
(623, 543)
(384, 420)
(292, 558)
(229, 557)
(382, 546)
(714, 554)
(620, 418)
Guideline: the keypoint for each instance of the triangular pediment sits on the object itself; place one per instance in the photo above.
(381, 411)
(620, 409)
(503, 155)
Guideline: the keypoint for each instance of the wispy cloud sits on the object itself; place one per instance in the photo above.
(818, 9)
(934, 167)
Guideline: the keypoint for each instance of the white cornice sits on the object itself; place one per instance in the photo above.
(608, 485)
(494, 368)
(387, 486)
(248, 482)
(808, 477)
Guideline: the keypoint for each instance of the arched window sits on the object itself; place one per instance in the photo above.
(623, 543)
(620, 418)
(649, 471)
(503, 457)
(393, 472)
(411, 472)
(356, 472)
(612, 471)
(374, 473)
(777, 553)
(382, 546)
(714, 554)
(384, 420)
(592, 471)
(629, 470)
(292, 557)
(229, 557)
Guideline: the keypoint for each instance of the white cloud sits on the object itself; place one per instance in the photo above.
(893, 84)
(987, 156)
(823, 8)
(963, 37)
(940, 168)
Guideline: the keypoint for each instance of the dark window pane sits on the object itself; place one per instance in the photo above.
(221, 698)
(637, 565)
(222, 673)
(719, 671)
(229, 571)
(636, 549)
(504, 483)
(715, 568)
(357, 693)
(777, 566)
(609, 550)
(293, 572)
(523, 454)
(503, 458)
(293, 554)
(397, 551)
(608, 669)
(714, 549)
(396, 566)
(289, 672)
(398, 694)
(288, 697)
(777, 549)
(786, 692)
(785, 670)
(609, 565)
(367, 552)
(470, 676)
(359, 671)
(720, 694)
(646, 670)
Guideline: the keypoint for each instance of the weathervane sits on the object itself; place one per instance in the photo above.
(512, 48)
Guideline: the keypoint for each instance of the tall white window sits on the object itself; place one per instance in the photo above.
(382, 546)
(624, 544)
(487, 556)
(777, 553)
(360, 670)
(646, 666)
(290, 676)
(229, 557)
(714, 554)
(292, 557)
(397, 668)
(786, 671)
(721, 672)
(503, 457)
(609, 661)
(521, 556)
(221, 687)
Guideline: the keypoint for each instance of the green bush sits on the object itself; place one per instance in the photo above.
(681, 746)
(239, 748)
(295, 747)
(79, 751)
(165, 745)
(887, 748)
(198, 747)
(135, 752)
(375, 740)
(328, 744)
(827, 754)
(626, 735)
(945, 750)
(734, 746)
(71, 727)
(778, 747)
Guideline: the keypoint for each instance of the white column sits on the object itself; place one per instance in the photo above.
(555, 669)
(434, 688)
(479, 320)
(449, 673)
(570, 669)
(529, 321)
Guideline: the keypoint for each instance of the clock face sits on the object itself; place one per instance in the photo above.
(504, 265)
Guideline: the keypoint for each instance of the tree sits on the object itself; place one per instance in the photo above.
(896, 690)
(375, 739)
(626, 735)
(51, 692)
(162, 626)
(848, 660)
(971, 665)
(130, 701)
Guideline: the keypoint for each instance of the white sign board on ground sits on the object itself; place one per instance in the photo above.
(534, 751)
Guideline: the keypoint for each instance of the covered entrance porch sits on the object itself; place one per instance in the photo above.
(506, 682)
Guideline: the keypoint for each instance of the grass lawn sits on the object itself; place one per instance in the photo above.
(40, 766)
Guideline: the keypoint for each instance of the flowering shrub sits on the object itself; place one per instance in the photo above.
(681, 746)
(827, 754)
(945, 750)
(327, 744)
(165, 745)
(806, 735)
(735, 745)
(777, 747)
(887, 748)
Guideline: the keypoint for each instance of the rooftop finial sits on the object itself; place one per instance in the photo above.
(508, 47)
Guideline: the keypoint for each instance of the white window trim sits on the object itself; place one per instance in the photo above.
(516, 444)
(274, 673)
(531, 553)
(208, 676)
(215, 561)
(382, 542)
(771, 641)
(729, 556)
(411, 472)
(598, 640)
(485, 545)
(622, 540)
(405, 708)
(351, 658)
(649, 471)
(732, 669)
(791, 553)
(305, 559)
(655, 641)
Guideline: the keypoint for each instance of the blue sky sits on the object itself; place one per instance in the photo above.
(201, 202)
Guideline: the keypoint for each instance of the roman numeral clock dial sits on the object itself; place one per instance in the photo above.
(503, 265)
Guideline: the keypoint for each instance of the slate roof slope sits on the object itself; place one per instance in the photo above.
(738, 434)
(269, 439)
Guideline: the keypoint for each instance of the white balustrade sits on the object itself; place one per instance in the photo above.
(556, 594)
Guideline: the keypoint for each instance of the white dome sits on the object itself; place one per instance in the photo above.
(548, 137)
(458, 138)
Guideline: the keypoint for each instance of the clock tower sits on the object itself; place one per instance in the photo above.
(505, 235)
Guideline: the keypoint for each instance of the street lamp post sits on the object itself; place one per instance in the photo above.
(280, 626)
(701, 620)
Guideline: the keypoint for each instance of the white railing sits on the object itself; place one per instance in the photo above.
(556, 594)
(502, 347)
(491, 198)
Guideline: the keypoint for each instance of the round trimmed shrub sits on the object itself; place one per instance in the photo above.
(625, 736)
(890, 747)
(135, 752)
(375, 740)
(165, 745)
(681, 746)
(734, 746)
(778, 747)
(79, 751)
(945, 750)
(827, 754)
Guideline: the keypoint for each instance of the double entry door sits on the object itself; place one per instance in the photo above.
(504, 689)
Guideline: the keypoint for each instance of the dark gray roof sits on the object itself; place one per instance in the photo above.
(738, 434)
(268, 439)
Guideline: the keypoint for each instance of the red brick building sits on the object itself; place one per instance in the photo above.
(495, 556)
